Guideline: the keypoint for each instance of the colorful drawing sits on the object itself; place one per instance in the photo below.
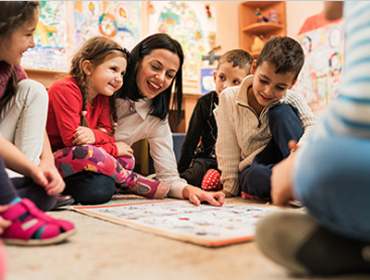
(50, 39)
(320, 77)
(203, 225)
(123, 13)
(207, 80)
(190, 24)
(92, 9)
(120, 21)
(107, 25)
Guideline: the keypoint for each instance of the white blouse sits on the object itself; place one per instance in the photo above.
(134, 124)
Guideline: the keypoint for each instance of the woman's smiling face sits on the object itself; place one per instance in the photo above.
(156, 71)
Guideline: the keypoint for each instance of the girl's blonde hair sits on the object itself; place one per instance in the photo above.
(96, 50)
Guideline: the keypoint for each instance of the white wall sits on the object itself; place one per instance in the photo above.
(298, 11)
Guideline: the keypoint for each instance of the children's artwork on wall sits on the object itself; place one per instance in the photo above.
(192, 24)
(50, 39)
(207, 82)
(119, 20)
(178, 219)
(320, 77)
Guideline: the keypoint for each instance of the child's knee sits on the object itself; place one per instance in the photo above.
(283, 113)
(90, 188)
(320, 173)
(283, 108)
(32, 91)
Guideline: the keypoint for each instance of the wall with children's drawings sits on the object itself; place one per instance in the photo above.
(63, 46)
(64, 25)
(63, 43)
(321, 75)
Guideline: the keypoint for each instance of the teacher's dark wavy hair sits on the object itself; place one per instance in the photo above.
(161, 103)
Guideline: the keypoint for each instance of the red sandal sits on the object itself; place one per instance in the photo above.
(30, 226)
(147, 187)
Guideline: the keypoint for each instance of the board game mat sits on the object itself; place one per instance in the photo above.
(204, 225)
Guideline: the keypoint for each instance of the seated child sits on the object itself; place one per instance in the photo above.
(24, 102)
(329, 174)
(81, 124)
(198, 151)
(257, 120)
(21, 220)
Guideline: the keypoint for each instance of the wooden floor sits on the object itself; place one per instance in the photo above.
(103, 250)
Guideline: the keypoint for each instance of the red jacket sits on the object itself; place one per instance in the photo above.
(64, 116)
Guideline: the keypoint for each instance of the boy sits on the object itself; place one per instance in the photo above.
(258, 119)
(196, 159)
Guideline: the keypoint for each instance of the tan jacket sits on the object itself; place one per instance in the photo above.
(242, 134)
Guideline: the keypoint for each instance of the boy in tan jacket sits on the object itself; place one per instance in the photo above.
(258, 119)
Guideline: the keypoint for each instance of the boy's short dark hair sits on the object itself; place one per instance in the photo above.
(237, 57)
(285, 53)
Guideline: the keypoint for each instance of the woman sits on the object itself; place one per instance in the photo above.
(143, 106)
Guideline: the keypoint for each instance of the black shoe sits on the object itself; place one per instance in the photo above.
(299, 243)
(63, 200)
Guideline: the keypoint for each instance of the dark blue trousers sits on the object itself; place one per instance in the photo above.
(195, 173)
(285, 125)
(24, 188)
(89, 187)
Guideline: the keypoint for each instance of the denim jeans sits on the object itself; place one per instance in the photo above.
(89, 187)
(24, 188)
(285, 125)
(332, 179)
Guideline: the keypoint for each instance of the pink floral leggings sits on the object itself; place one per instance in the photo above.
(72, 160)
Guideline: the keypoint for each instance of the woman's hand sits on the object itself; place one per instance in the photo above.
(4, 223)
(197, 195)
(124, 149)
(83, 135)
(281, 179)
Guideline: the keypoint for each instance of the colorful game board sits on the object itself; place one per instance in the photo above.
(178, 219)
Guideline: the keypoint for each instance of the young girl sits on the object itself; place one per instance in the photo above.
(23, 113)
(23, 102)
(154, 68)
(81, 113)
